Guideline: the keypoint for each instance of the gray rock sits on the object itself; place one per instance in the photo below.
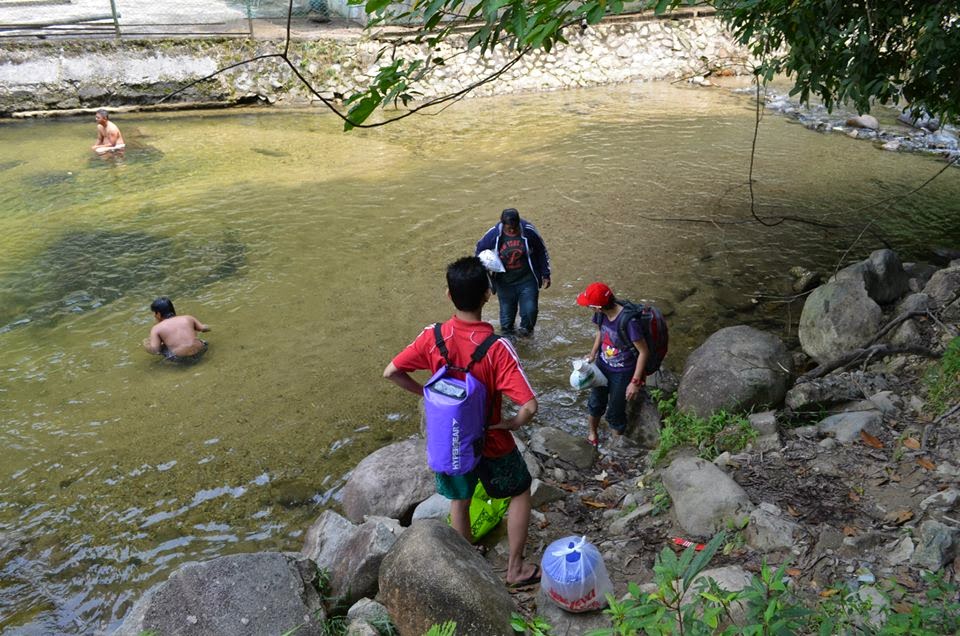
(326, 537)
(643, 423)
(804, 279)
(542, 493)
(864, 121)
(621, 525)
(770, 530)
(913, 302)
(389, 482)
(361, 627)
(899, 552)
(237, 595)
(435, 507)
(731, 578)
(882, 274)
(369, 611)
(765, 423)
(944, 500)
(834, 388)
(552, 442)
(838, 317)
(886, 402)
(432, 575)
(564, 622)
(846, 427)
(944, 287)
(704, 497)
(878, 605)
(828, 443)
(736, 369)
(936, 547)
(355, 570)
(920, 274)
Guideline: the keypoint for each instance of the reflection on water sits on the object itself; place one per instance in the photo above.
(315, 256)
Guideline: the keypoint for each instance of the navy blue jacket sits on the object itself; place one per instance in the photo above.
(537, 256)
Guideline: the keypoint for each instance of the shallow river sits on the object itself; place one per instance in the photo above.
(316, 255)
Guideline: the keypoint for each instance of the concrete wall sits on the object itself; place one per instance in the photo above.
(86, 74)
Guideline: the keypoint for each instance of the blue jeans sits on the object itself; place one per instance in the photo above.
(523, 295)
(611, 399)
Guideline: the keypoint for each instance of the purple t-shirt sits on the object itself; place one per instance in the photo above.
(616, 356)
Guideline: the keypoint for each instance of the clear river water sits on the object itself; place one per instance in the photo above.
(317, 255)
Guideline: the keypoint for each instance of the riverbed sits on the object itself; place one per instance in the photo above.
(315, 256)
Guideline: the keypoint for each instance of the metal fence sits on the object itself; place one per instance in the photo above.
(148, 18)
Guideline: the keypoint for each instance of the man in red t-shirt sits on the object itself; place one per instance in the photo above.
(501, 469)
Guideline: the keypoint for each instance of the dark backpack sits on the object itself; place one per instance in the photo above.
(654, 328)
(456, 411)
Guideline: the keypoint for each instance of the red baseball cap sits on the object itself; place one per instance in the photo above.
(595, 295)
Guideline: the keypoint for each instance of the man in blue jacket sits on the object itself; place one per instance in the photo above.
(524, 256)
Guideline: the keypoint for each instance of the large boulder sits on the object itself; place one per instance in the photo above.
(737, 368)
(704, 497)
(882, 274)
(838, 317)
(237, 595)
(389, 482)
(432, 575)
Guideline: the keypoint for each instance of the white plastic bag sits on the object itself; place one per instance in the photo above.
(491, 261)
(574, 575)
(586, 375)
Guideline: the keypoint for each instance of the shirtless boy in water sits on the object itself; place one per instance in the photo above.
(108, 134)
(174, 336)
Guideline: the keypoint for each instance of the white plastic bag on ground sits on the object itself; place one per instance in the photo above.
(491, 261)
(586, 375)
(574, 575)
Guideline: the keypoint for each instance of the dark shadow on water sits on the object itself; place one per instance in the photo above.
(270, 153)
(87, 269)
(49, 179)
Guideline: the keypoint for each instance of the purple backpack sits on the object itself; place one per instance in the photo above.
(456, 411)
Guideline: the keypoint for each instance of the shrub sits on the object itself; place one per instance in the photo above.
(943, 381)
(720, 432)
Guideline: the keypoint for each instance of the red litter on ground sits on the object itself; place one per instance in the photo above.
(685, 543)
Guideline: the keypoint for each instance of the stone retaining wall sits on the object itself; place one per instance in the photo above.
(88, 74)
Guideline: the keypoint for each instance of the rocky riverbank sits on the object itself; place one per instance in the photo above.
(851, 475)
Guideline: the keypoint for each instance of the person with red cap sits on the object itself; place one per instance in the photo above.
(620, 363)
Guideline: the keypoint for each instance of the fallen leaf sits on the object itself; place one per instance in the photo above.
(853, 496)
(903, 516)
(594, 504)
(895, 478)
(792, 511)
(870, 440)
(828, 593)
(903, 608)
(850, 531)
(926, 463)
(568, 487)
(794, 572)
(912, 442)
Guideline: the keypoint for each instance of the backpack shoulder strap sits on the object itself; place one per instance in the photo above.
(441, 345)
(482, 349)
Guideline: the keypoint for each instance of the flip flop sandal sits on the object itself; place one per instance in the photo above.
(533, 579)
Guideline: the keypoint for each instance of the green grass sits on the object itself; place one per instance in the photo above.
(720, 432)
(943, 381)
